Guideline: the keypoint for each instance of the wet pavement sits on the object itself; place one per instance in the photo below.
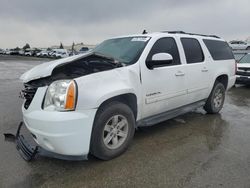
(194, 150)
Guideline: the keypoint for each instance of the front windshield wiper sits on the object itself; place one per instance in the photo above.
(114, 61)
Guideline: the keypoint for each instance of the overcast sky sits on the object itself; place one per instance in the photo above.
(48, 22)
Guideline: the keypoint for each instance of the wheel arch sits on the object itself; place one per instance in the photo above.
(129, 99)
(223, 78)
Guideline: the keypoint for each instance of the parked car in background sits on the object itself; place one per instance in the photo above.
(7, 52)
(1, 51)
(36, 51)
(21, 52)
(93, 102)
(14, 52)
(83, 50)
(239, 45)
(43, 53)
(28, 52)
(243, 70)
(59, 53)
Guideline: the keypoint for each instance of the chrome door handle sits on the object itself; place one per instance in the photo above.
(179, 73)
(204, 70)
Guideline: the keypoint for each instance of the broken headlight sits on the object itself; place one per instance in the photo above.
(61, 96)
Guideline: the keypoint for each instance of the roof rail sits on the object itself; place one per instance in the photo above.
(182, 32)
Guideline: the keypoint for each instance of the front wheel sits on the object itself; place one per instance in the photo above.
(113, 131)
(216, 99)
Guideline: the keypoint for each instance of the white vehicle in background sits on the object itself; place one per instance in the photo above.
(243, 70)
(21, 52)
(28, 52)
(92, 103)
(239, 45)
(43, 53)
(7, 52)
(2, 51)
(60, 53)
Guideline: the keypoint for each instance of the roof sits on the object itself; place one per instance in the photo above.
(171, 33)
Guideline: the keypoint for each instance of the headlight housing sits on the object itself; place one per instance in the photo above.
(61, 96)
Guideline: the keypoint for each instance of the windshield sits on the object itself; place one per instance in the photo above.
(238, 56)
(245, 59)
(126, 50)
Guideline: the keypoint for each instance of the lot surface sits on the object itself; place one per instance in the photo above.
(194, 150)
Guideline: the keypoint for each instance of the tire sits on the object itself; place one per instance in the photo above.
(108, 140)
(216, 99)
(248, 48)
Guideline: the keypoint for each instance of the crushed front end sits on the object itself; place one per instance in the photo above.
(58, 134)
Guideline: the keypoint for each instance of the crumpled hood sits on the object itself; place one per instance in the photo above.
(45, 69)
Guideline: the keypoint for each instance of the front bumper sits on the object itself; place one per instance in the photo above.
(65, 133)
(28, 152)
(243, 80)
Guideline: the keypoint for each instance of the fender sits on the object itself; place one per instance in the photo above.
(94, 89)
(225, 68)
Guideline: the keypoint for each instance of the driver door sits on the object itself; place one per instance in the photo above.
(164, 87)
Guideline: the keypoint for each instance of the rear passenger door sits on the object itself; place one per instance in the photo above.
(197, 70)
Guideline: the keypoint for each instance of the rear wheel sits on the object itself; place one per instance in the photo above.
(113, 131)
(216, 99)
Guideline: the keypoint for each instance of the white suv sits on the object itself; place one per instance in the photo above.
(243, 72)
(239, 45)
(92, 103)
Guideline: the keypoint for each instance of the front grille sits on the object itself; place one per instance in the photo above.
(28, 94)
(242, 71)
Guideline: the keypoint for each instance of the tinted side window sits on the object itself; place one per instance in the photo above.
(192, 49)
(219, 50)
(166, 45)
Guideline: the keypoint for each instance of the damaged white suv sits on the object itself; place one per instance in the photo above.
(92, 103)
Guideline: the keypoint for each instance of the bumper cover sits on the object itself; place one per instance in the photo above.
(29, 152)
(243, 80)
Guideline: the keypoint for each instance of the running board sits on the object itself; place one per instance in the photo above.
(152, 120)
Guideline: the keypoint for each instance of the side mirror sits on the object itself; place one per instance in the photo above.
(159, 60)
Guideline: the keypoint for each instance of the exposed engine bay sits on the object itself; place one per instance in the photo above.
(77, 68)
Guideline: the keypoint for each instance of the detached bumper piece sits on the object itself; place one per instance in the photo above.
(24, 148)
(28, 152)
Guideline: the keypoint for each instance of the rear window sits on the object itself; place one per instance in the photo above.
(219, 50)
(192, 49)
